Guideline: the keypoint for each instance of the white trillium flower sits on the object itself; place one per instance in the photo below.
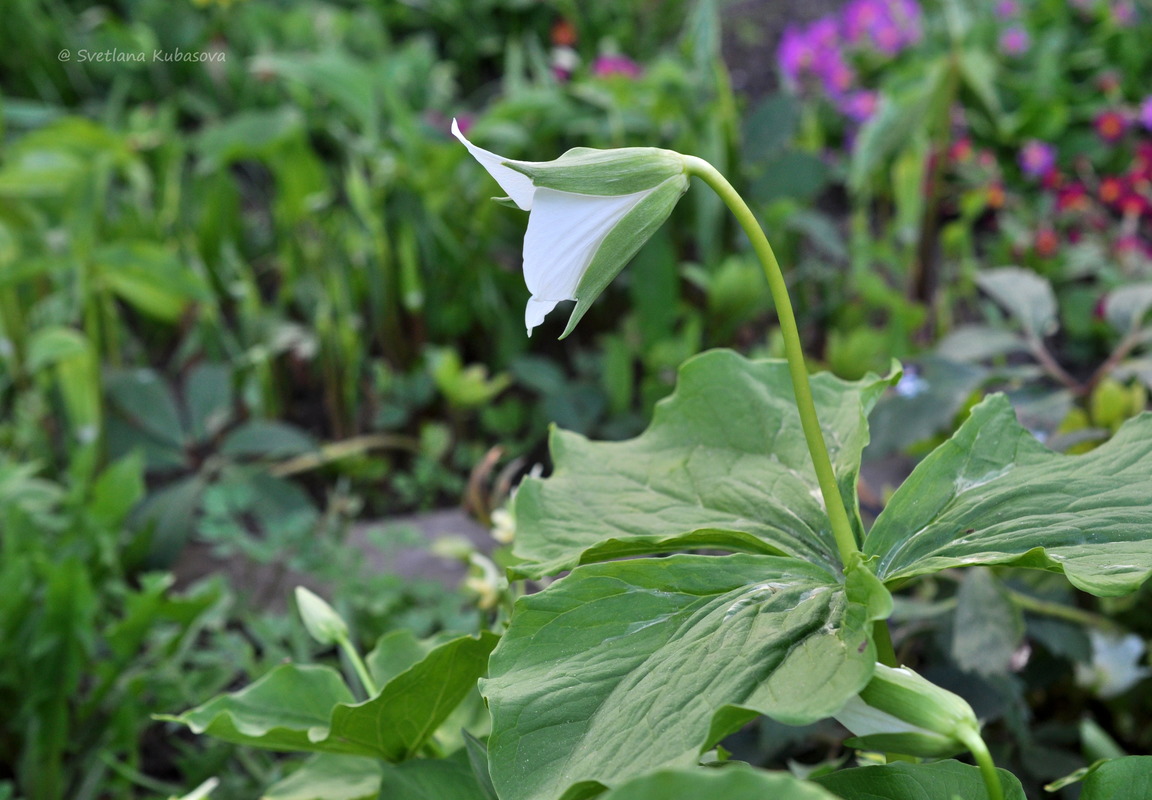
(591, 210)
(1115, 666)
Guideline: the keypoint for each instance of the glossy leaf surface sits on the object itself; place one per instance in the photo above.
(622, 668)
(993, 494)
(722, 466)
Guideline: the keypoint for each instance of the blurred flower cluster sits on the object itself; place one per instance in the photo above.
(820, 55)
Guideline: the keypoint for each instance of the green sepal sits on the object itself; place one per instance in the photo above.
(606, 173)
(622, 243)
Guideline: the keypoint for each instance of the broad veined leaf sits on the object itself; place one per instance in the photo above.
(903, 781)
(310, 709)
(449, 778)
(623, 668)
(730, 783)
(401, 719)
(993, 494)
(288, 709)
(326, 776)
(723, 466)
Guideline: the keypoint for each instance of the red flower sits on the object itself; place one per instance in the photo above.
(1111, 190)
(1046, 243)
(1133, 205)
(1072, 198)
(1110, 126)
(960, 151)
(1052, 179)
(995, 195)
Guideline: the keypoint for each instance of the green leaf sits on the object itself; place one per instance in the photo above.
(149, 277)
(992, 494)
(1025, 295)
(310, 709)
(145, 400)
(288, 709)
(431, 779)
(394, 653)
(622, 668)
(729, 783)
(1130, 776)
(988, 625)
(267, 439)
(722, 466)
(326, 776)
(1126, 307)
(924, 404)
(902, 781)
(402, 718)
(208, 397)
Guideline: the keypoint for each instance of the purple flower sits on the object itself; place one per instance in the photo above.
(835, 74)
(1037, 157)
(1015, 41)
(1145, 114)
(815, 50)
(859, 106)
(1124, 13)
(885, 25)
(796, 55)
(604, 66)
(1007, 9)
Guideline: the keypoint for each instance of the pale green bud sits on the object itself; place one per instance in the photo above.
(901, 712)
(320, 619)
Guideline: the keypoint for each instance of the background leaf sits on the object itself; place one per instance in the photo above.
(730, 783)
(992, 494)
(902, 781)
(988, 626)
(329, 777)
(1025, 295)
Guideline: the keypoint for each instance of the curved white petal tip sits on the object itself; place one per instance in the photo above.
(518, 185)
(536, 310)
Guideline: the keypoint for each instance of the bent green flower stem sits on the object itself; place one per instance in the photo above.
(833, 504)
(975, 744)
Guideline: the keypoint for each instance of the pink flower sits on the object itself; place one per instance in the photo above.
(1110, 126)
(859, 106)
(1037, 158)
(1145, 113)
(1007, 9)
(1015, 41)
(605, 66)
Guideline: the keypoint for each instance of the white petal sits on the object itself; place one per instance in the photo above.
(564, 232)
(518, 185)
(536, 310)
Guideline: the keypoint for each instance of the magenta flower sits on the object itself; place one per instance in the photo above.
(835, 74)
(1015, 41)
(1145, 114)
(1007, 9)
(885, 25)
(604, 66)
(859, 106)
(1037, 158)
(1124, 13)
(1110, 126)
(796, 55)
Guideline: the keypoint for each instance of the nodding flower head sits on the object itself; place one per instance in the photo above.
(590, 211)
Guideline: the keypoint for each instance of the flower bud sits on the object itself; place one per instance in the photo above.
(323, 623)
(901, 712)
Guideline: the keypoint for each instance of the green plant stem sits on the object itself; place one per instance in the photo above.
(833, 503)
(358, 665)
(973, 741)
